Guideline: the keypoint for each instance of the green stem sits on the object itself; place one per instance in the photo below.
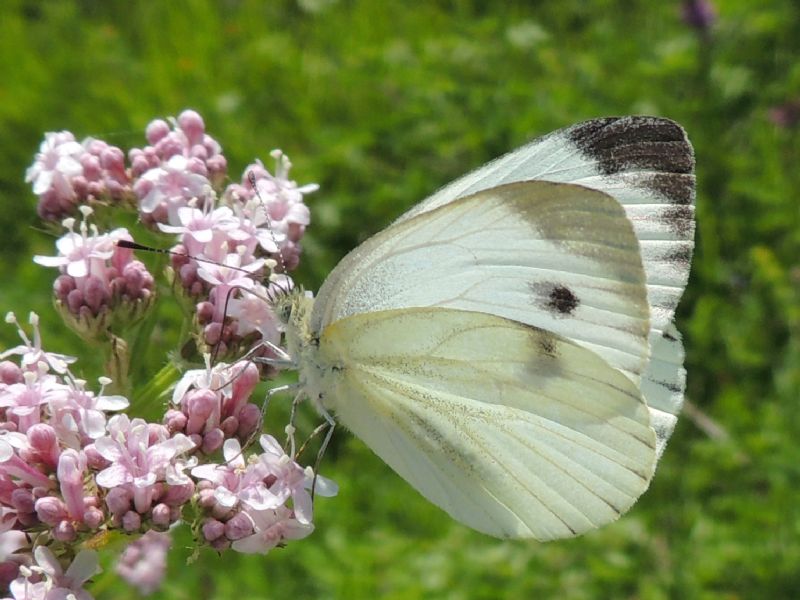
(155, 393)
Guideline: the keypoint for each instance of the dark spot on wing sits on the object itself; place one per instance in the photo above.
(672, 387)
(681, 256)
(547, 344)
(668, 336)
(633, 144)
(563, 300)
(679, 218)
(557, 299)
(545, 362)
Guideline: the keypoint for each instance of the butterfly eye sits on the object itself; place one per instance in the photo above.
(284, 312)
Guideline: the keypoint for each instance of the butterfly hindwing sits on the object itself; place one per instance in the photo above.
(512, 430)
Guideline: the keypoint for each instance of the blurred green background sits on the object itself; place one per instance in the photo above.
(383, 102)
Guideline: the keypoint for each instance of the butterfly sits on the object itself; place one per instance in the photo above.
(507, 345)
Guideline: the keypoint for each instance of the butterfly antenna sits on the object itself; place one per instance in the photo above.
(251, 177)
(138, 246)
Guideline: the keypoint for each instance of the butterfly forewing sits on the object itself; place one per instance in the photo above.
(560, 257)
(647, 165)
(512, 430)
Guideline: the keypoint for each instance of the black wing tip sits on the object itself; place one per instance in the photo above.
(654, 150)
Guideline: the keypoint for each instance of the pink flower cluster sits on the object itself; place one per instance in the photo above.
(246, 500)
(212, 405)
(67, 174)
(99, 280)
(72, 463)
(180, 167)
(43, 577)
(228, 240)
(70, 470)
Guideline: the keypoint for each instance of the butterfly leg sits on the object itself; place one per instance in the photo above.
(276, 390)
(290, 428)
(330, 423)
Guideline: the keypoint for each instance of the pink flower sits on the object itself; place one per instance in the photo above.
(23, 401)
(172, 186)
(290, 479)
(32, 352)
(71, 469)
(83, 253)
(43, 444)
(253, 313)
(97, 277)
(143, 564)
(271, 528)
(237, 481)
(199, 228)
(55, 164)
(58, 584)
(135, 459)
(276, 204)
(79, 415)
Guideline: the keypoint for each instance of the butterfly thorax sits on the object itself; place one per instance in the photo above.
(302, 343)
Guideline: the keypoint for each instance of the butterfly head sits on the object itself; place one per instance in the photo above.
(293, 310)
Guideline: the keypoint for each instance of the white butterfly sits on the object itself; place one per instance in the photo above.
(507, 345)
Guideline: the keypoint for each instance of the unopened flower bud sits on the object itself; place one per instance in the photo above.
(91, 166)
(10, 373)
(229, 426)
(220, 544)
(238, 526)
(22, 499)
(212, 333)
(198, 151)
(139, 165)
(95, 294)
(44, 443)
(71, 468)
(131, 521)
(206, 499)
(199, 406)
(177, 495)
(212, 441)
(243, 385)
(161, 515)
(51, 510)
(64, 531)
(249, 420)
(75, 301)
(204, 311)
(93, 517)
(175, 420)
(118, 500)
(191, 123)
(213, 529)
(156, 130)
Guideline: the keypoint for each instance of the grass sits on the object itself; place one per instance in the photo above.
(381, 103)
